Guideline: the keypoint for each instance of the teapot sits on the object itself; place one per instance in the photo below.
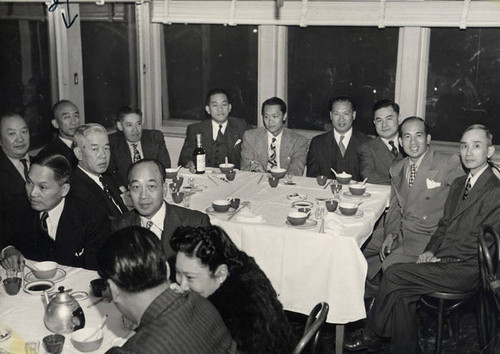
(63, 313)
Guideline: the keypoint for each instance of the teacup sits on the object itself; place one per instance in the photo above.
(171, 172)
(331, 205)
(321, 180)
(344, 178)
(178, 197)
(357, 189)
(348, 208)
(235, 203)
(231, 175)
(278, 172)
(54, 343)
(98, 286)
(296, 218)
(221, 205)
(273, 181)
(226, 167)
(178, 182)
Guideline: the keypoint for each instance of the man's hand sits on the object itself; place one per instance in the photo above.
(256, 167)
(390, 243)
(13, 259)
(427, 257)
(190, 165)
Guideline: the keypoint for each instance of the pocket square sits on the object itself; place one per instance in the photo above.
(237, 142)
(432, 184)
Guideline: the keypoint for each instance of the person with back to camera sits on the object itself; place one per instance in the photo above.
(209, 263)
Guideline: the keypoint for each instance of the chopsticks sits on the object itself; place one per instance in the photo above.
(260, 179)
(210, 178)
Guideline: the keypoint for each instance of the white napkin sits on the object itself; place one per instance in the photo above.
(246, 215)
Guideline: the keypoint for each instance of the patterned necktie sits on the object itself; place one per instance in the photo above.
(413, 174)
(149, 224)
(220, 136)
(43, 221)
(341, 145)
(272, 155)
(467, 189)
(25, 167)
(394, 149)
(136, 153)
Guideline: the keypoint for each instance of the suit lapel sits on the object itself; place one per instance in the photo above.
(148, 149)
(124, 150)
(232, 135)
(331, 151)
(262, 147)
(382, 151)
(285, 148)
(206, 136)
(10, 169)
(425, 171)
(401, 185)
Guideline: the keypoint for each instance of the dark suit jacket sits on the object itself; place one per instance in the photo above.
(81, 231)
(84, 188)
(57, 146)
(234, 132)
(324, 153)
(153, 147)
(12, 189)
(375, 159)
(457, 232)
(175, 216)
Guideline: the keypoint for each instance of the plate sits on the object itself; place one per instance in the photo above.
(80, 295)
(296, 196)
(44, 285)
(289, 183)
(359, 214)
(350, 195)
(309, 224)
(210, 210)
(60, 275)
(302, 204)
(5, 332)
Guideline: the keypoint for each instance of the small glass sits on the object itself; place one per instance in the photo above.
(321, 180)
(32, 347)
(177, 197)
(191, 182)
(273, 182)
(13, 281)
(336, 188)
(187, 200)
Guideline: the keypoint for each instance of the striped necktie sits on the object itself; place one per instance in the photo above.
(25, 167)
(341, 145)
(413, 174)
(394, 149)
(43, 221)
(467, 189)
(272, 155)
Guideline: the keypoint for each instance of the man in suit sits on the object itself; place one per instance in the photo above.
(273, 145)
(134, 266)
(132, 143)
(337, 149)
(377, 155)
(147, 191)
(220, 136)
(89, 181)
(14, 163)
(66, 120)
(449, 261)
(57, 228)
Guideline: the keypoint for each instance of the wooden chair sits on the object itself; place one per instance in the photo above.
(314, 323)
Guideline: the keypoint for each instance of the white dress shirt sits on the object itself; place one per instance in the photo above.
(158, 220)
(347, 137)
(278, 146)
(215, 128)
(53, 219)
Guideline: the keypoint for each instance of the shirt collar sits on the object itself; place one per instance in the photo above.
(54, 217)
(215, 127)
(419, 161)
(473, 178)
(395, 140)
(158, 219)
(94, 177)
(15, 161)
(271, 136)
(68, 142)
(347, 135)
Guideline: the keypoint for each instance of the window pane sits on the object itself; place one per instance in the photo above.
(24, 67)
(201, 57)
(463, 81)
(109, 60)
(324, 62)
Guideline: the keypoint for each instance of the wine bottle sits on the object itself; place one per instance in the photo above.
(199, 156)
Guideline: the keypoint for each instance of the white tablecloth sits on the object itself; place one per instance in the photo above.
(24, 314)
(304, 266)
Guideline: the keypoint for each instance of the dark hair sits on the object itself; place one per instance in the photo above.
(342, 99)
(58, 164)
(413, 119)
(58, 104)
(487, 132)
(6, 115)
(210, 244)
(160, 166)
(385, 103)
(133, 258)
(123, 111)
(274, 101)
(214, 92)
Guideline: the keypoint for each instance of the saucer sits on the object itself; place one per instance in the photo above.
(359, 214)
(296, 196)
(38, 287)
(210, 210)
(309, 224)
(348, 194)
(5, 332)
(60, 275)
(302, 204)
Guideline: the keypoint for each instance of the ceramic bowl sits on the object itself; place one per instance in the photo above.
(297, 218)
(278, 172)
(331, 205)
(221, 205)
(46, 270)
(84, 343)
(348, 208)
(344, 178)
(357, 189)
(171, 172)
(226, 167)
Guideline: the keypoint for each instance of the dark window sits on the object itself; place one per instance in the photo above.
(463, 82)
(324, 62)
(201, 57)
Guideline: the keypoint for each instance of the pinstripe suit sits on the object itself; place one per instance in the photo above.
(179, 323)
(394, 311)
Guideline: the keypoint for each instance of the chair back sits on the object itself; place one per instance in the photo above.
(314, 323)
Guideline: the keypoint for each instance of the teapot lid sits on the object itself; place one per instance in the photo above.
(63, 296)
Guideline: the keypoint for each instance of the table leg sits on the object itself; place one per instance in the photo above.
(339, 338)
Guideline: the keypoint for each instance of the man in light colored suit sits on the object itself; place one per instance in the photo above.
(449, 262)
(377, 155)
(274, 145)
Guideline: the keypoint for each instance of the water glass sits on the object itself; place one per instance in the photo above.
(13, 281)
(336, 188)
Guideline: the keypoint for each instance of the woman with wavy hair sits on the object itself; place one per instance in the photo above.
(209, 263)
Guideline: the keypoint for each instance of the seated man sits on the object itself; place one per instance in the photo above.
(89, 181)
(132, 143)
(337, 149)
(66, 119)
(14, 164)
(273, 145)
(58, 228)
(136, 270)
(417, 199)
(147, 187)
(377, 155)
(450, 260)
(220, 135)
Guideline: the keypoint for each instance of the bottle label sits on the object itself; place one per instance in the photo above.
(200, 163)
